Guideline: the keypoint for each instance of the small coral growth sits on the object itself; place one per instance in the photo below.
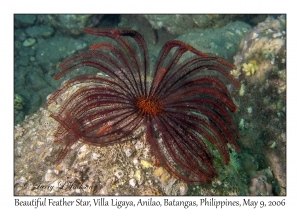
(250, 68)
(260, 185)
(19, 104)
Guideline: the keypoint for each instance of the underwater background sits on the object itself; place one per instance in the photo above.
(255, 44)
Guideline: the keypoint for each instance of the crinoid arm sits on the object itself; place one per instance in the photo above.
(102, 110)
(196, 109)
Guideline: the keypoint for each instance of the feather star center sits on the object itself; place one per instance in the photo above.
(149, 105)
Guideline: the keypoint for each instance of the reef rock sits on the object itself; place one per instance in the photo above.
(121, 169)
(178, 23)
